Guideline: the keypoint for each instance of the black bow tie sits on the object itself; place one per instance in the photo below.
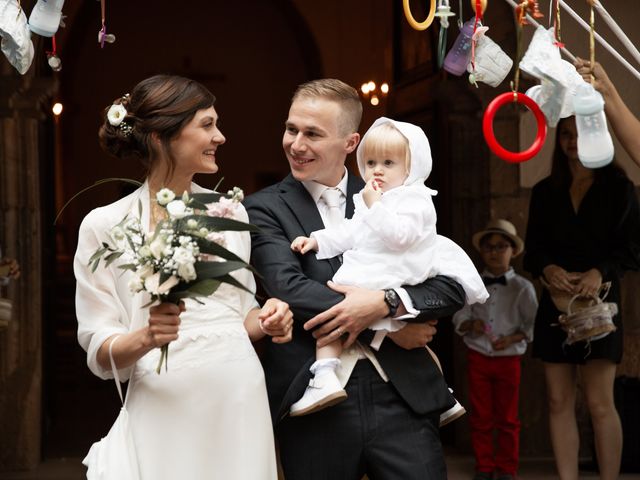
(491, 280)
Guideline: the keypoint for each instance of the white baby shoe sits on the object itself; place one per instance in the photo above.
(16, 38)
(491, 63)
(45, 17)
(323, 391)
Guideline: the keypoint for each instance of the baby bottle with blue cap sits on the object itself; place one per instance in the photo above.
(595, 147)
(459, 56)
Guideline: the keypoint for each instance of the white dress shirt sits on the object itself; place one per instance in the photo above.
(511, 308)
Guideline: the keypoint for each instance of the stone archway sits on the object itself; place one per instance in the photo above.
(252, 55)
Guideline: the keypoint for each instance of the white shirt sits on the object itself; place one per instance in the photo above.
(511, 308)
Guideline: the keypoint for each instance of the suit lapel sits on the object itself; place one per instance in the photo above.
(354, 185)
(306, 211)
(301, 205)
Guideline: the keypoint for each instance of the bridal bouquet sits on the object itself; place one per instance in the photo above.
(185, 257)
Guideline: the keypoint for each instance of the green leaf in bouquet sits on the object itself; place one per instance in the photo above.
(95, 264)
(200, 200)
(213, 248)
(217, 269)
(215, 189)
(218, 224)
(186, 294)
(128, 266)
(232, 281)
(130, 242)
(98, 253)
(202, 288)
(108, 260)
(94, 261)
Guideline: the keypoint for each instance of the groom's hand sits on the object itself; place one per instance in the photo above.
(359, 309)
(414, 335)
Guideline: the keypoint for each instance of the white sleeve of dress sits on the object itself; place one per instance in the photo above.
(244, 276)
(400, 222)
(100, 312)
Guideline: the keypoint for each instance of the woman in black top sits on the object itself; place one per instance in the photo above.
(584, 229)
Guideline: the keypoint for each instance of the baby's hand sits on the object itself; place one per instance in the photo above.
(304, 244)
(371, 193)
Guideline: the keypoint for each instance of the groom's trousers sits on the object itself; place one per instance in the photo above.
(373, 432)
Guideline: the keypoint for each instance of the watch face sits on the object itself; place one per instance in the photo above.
(392, 297)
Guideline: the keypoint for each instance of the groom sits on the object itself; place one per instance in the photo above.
(388, 426)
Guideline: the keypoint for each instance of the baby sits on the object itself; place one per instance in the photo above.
(390, 241)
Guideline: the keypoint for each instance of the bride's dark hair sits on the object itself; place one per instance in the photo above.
(159, 106)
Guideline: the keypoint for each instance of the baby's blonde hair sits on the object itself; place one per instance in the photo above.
(387, 141)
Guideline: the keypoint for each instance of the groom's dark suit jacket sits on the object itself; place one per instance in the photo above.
(285, 211)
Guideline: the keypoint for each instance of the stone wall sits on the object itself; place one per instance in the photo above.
(21, 102)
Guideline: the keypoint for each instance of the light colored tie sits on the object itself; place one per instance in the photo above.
(332, 198)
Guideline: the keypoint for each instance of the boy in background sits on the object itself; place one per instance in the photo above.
(496, 334)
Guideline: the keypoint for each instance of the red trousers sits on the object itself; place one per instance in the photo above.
(494, 384)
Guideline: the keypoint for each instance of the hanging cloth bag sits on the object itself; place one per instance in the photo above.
(114, 457)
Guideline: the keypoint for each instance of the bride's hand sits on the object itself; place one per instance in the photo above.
(164, 321)
(276, 320)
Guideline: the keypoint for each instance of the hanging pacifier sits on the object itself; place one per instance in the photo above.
(443, 12)
(52, 56)
(103, 36)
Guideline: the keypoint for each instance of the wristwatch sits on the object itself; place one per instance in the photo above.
(392, 300)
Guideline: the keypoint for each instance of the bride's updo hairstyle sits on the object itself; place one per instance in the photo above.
(151, 116)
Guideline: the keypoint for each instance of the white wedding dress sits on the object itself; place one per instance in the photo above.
(206, 417)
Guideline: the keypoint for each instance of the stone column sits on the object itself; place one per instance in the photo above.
(21, 114)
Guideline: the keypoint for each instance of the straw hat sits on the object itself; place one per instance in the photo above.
(502, 227)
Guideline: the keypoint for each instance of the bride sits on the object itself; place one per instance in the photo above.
(207, 416)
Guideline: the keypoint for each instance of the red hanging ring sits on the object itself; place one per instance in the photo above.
(490, 138)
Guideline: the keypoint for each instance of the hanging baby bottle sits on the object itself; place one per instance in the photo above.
(595, 147)
(459, 56)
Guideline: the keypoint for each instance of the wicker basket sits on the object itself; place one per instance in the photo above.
(590, 322)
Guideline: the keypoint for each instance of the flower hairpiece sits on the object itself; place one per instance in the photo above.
(116, 115)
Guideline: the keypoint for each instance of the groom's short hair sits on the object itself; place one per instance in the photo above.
(338, 91)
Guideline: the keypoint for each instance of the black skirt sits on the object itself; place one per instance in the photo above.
(549, 339)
